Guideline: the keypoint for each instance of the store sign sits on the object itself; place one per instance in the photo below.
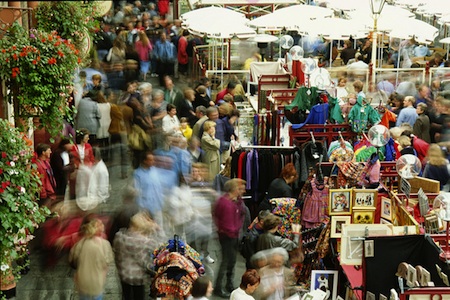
(405, 187)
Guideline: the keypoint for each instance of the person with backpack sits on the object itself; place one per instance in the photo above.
(247, 247)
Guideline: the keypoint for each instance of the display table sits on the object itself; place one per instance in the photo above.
(355, 278)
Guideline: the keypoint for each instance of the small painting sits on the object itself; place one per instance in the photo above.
(336, 225)
(326, 281)
(363, 216)
(364, 198)
(340, 202)
(386, 208)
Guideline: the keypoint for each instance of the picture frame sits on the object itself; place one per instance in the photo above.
(384, 221)
(386, 208)
(370, 296)
(412, 276)
(336, 225)
(363, 216)
(326, 280)
(353, 236)
(383, 297)
(364, 198)
(340, 202)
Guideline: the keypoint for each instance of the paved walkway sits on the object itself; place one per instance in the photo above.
(56, 283)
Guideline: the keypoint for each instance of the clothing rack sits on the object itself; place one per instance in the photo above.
(266, 147)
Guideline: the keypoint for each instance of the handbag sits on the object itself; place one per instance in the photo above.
(138, 139)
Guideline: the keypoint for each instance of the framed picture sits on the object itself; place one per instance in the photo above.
(353, 236)
(363, 198)
(384, 221)
(326, 281)
(340, 202)
(386, 208)
(412, 276)
(370, 296)
(336, 225)
(363, 216)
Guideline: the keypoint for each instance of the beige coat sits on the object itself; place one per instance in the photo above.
(211, 147)
(91, 257)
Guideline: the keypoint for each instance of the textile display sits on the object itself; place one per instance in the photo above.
(177, 266)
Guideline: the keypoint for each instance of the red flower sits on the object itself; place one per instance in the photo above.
(1, 171)
(1, 191)
(3, 50)
(14, 47)
(57, 43)
(4, 155)
(5, 184)
(43, 40)
(52, 61)
(79, 60)
(34, 62)
(8, 163)
(23, 53)
(60, 54)
(15, 56)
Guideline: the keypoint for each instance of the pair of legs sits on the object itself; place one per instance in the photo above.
(229, 247)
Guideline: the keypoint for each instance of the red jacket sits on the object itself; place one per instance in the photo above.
(47, 179)
(421, 148)
(88, 155)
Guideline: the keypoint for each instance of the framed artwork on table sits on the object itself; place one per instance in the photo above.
(353, 236)
(384, 221)
(363, 198)
(363, 216)
(326, 281)
(336, 225)
(340, 202)
(386, 208)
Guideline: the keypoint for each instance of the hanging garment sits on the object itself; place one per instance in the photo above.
(309, 158)
(335, 112)
(315, 208)
(340, 151)
(362, 116)
(317, 115)
(304, 99)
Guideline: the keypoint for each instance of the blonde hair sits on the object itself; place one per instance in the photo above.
(208, 125)
(404, 141)
(435, 156)
(396, 132)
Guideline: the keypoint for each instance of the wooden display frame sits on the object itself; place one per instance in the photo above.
(340, 202)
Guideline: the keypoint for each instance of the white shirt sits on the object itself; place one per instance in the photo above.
(240, 294)
(170, 125)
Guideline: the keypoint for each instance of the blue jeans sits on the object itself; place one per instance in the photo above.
(87, 297)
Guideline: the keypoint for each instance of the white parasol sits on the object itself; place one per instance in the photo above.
(445, 41)
(289, 17)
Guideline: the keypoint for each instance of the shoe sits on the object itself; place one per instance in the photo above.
(154, 75)
(221, 293)
(208, 260)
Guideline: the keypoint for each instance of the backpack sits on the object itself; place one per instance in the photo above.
(247, 246)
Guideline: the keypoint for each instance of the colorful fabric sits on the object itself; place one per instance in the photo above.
(289, 213)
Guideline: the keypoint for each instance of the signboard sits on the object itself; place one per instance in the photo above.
(405, 187)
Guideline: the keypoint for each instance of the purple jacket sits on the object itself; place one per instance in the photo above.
(229, 216)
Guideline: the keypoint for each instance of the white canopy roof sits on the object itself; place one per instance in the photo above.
(290, 18)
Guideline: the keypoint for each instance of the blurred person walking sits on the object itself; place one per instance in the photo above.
(133, 248)
(229, 214)
(47, 194)
(90, 256)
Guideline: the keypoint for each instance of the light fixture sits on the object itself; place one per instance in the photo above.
(376, 6)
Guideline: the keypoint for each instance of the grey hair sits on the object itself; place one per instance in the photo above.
(157, 93)
(145, 85)
(279, 251)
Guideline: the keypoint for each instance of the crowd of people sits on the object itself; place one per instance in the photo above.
(173, 146)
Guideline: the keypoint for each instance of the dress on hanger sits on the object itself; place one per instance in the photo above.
(315, 208)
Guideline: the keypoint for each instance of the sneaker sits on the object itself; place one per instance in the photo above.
(208, 260)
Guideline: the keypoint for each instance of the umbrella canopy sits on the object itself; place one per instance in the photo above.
(211, 12)
(436, 8)
(335, 29)
(421, 31)
(289, 17)
(204, 21)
